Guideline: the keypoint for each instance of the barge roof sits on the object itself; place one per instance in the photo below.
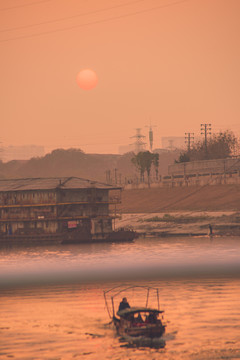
(52, 183)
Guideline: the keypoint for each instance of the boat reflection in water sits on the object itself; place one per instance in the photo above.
(140, 325)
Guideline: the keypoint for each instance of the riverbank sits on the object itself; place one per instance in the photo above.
(182, 211)
(182, 223)
(192, 198)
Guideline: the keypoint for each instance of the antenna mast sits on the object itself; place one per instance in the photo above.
(150, 135)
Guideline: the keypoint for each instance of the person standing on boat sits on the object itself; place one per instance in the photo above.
(210, 231)
(123, 304)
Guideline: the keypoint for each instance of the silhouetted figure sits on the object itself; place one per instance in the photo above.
(210, 232)
(139, 319)
(123, 304)
(152, 319)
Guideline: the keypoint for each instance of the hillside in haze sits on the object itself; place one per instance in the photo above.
(74, 162)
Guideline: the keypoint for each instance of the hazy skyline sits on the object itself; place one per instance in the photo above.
(174, 62)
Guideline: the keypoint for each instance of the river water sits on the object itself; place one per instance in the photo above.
(52, 304)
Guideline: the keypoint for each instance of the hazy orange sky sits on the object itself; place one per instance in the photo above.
(176, 62)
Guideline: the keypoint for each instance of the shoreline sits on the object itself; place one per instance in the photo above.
(182, 223)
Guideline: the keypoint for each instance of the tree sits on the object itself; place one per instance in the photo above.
(222, 145)
(219, 146)
(148, 160)
(137, 160)
(156, 164)
(143, 162)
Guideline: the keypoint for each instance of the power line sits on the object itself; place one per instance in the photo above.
(195, 191)
(95, 22)
(24, 5)
(73, 16)
(202, 187)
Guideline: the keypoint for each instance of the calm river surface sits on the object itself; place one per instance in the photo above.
(52, 304)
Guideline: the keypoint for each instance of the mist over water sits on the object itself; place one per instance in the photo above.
(52, 304)
(148, 258)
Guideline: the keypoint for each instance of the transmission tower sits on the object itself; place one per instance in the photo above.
(189, 138)
(206, 130)
(139, 144)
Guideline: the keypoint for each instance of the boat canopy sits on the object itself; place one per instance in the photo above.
(111, 295)
(134, 310)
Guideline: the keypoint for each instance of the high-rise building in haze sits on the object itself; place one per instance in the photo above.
(173, 142)
(24, 152)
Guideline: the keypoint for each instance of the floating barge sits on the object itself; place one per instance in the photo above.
(59, 210)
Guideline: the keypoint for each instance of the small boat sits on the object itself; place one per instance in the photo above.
(139, 326)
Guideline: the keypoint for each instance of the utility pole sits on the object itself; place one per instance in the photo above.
(1, 150)
(189, 138)
(108, 176)
(206, 130)
(115, 175)
(170, 142)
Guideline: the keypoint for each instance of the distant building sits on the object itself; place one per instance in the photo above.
(56, 208)
(125, 149)
(161, 151)
(173, 142)
(24, 152)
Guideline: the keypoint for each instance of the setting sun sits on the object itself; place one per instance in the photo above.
(87, 79)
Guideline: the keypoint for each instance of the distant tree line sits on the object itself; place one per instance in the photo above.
(219, 146)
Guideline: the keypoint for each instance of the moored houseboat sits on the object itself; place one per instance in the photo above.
(65, 210)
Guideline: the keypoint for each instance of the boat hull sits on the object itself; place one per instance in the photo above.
(149, 331)
(67, 238)
(126, 329)
(143, 341)
(113, 236)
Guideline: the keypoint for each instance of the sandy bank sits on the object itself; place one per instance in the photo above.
(182, 223)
